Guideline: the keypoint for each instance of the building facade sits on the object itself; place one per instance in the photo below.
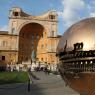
(30, 38)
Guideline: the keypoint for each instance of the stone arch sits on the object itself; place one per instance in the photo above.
(25, 40)
(49, 23)
(27, 22)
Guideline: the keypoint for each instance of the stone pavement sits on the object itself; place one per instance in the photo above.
(42, 84)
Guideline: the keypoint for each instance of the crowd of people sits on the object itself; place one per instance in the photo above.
(30, 67)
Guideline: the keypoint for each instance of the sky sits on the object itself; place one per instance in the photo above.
(69, 11)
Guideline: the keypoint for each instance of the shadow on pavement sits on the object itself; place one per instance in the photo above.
(42, 84)
(23, 90)
(34, 76)
(36, 90)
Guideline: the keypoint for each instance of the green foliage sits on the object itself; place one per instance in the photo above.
(13, 77)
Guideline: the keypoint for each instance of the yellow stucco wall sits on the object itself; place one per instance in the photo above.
(17, 43)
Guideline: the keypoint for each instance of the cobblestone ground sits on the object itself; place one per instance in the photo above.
(42, 84)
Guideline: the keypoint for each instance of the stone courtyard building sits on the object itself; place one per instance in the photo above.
(29, 38)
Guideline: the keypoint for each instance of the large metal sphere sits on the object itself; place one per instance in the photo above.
(83, 31)
(76, 52)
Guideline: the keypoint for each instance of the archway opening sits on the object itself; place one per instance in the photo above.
(29, 37)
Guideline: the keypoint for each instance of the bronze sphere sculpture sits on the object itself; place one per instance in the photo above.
(76, 53)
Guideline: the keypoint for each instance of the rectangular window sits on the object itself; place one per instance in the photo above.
(3, 57)
(13, 30)
(4, 43)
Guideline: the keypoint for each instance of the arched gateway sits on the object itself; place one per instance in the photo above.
(32, 37)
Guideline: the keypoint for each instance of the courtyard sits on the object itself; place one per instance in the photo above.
(42, 84)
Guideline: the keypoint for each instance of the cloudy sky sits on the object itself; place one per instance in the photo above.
(69, 11)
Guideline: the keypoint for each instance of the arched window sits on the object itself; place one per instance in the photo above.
(15, 13)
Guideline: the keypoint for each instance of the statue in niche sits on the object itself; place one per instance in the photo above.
(33, 55)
